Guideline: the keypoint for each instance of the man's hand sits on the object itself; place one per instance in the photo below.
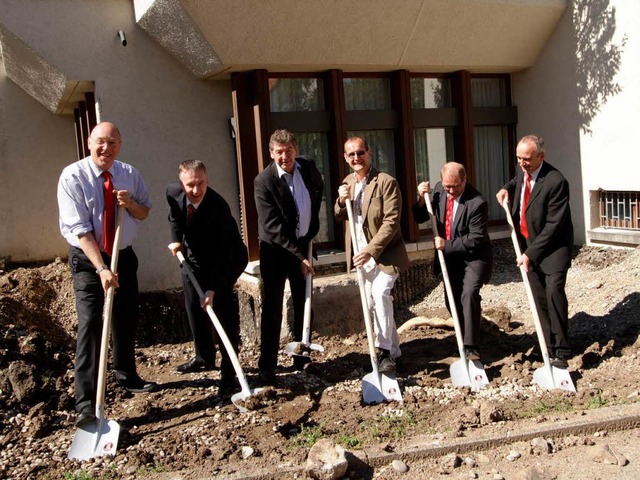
(344, 192)
(306, 268)
(438, 243)
(524, 260)
(108, 279)
(175, 247)
(502, 196)
(137, 210)
(207, 300)
(423, 188)
(361, 258)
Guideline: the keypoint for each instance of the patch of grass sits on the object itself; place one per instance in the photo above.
(389, 426)
(144, 471)
(597, 400)
(546, 406)
(348, 441)
(77, 476)
(308, 436)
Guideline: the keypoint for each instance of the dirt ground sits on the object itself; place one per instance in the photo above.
(186, 431)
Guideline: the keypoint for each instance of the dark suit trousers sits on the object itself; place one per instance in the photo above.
(89, 306)
(466, 282)
(199, 322)
(276, 265)
(553, 307)
(227, 309)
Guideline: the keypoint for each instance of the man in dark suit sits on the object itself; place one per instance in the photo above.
(545, 232)
(203, 228)
(288, 194)
(462, 215)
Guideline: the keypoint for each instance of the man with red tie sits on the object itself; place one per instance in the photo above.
(89, 192)
(462, 215)
(539, 201)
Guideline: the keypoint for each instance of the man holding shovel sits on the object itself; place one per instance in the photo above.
(203, 228)
(288, 195)
(462, 215)
(89, 192)
(377, 207)
(539, 200)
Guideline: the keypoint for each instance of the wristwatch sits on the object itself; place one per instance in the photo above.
(103, 267)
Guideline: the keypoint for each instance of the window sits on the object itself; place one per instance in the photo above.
(491, 135)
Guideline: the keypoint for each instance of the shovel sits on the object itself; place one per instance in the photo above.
(376, 387)
(238, 398)
(464, 372)
(303, 348)
(100, 437)
(548, 376)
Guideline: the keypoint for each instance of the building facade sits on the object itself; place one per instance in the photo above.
(425, 81)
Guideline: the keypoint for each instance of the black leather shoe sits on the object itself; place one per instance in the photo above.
(194, 365)
(471, 353)
(268, 379)
(386, 364)
(86, 416)
(227, 386)
(559, 362)
(137, 385)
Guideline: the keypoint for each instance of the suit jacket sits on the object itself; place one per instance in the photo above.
(548, 218)
(470, 242)
(381, 210)
(211, 241)
(277, 213)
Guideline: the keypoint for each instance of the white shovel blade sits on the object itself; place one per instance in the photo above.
(380, 388)
(300, 349)
(553, 377)
(95, 439)
(238, 399)
(468, 373)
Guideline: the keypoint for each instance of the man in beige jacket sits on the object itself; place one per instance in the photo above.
(377, 207)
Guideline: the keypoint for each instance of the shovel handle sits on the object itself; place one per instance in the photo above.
(527, 284)
(244, 385)
(363, 295)
(306, 328)
(447, 282)
(106, 322)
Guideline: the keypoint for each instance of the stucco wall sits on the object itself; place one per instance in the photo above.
(608, 153)
(164, 113)
(546, 97)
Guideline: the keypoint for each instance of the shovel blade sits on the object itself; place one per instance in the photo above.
(239, 399)
(468, 373)
(95, 439)
(300, 349)
(553, 377)
(380, 388)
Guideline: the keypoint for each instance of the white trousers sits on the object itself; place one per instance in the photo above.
(378, 285)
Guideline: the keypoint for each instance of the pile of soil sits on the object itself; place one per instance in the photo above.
(185, 427)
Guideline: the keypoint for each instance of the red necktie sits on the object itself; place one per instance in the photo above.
(191, 212)
(527, 193)
(448, 217)
(109, 215)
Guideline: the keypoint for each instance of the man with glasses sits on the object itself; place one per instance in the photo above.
(462, 216)
(288, 195)
(377, 208)
(89, 192)
(539, 197)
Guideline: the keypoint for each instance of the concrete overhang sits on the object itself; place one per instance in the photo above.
(215, 37)
(43, 81)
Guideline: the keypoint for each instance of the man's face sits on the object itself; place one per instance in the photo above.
(358, 158)
(194, 183)
(528, 157)
(453, 184)
(104, 145)
(284, 154)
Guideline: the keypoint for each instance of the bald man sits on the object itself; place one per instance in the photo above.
(462, 216)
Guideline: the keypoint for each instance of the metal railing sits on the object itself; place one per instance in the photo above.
(620, 210)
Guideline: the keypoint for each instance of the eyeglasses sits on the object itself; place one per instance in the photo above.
(357, 153)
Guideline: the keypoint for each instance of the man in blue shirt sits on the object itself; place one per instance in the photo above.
(81, 202)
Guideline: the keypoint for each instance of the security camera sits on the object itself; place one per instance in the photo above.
(123, 39)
